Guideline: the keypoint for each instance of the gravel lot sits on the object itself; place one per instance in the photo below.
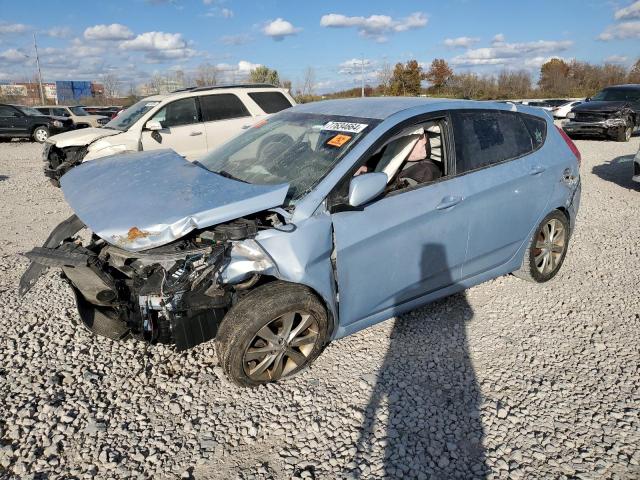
(508, 380)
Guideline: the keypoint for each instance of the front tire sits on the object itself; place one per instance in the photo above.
(40, 134)
(272, 333)
(546, 250)
(623, 134)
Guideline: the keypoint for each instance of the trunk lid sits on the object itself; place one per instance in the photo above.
(81, 137)
(143, 200)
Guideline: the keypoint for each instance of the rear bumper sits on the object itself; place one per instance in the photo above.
(574, 204)
(636, 168)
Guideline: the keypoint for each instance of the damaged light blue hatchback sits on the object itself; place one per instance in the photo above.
(318, 222)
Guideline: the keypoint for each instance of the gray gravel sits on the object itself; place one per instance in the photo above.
(508, 380)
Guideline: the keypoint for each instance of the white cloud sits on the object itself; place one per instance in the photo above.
(375, 26)
(499, 38)
(81, 49)
(220, 12)
(355, 65)
(58, 32)
(13, 28)
(115, 31)
(631, 11)
(621, 30)
(246, 67)
(503, 53)
(160, 46)
(616, 59)
(280, 28)
(13, 56)
(226, 13)
(460, 42)
(240, 39)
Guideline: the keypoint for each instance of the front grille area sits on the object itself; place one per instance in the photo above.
(590, 117)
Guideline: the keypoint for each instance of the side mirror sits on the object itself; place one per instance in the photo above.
(153, 125)
(366, 187)
(588, 99)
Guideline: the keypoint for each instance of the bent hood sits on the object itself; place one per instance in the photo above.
(143, 200)
(81, 137)
(600, 106)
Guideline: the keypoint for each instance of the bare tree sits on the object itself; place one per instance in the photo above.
(385, 75)
(111, 83)
(207, 75)
(309, 82)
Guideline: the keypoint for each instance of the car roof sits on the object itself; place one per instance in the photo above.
(627, 86)
(226, 88)
(381, 108)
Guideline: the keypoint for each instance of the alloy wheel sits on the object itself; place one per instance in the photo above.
(281, 346)
(550, 246)
(41, 135)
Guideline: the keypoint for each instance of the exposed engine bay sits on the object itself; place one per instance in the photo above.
(59, 161)
(174, 294)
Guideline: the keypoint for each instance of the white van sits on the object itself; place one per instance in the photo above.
(191, 122)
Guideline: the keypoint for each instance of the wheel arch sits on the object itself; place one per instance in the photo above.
(331, 320)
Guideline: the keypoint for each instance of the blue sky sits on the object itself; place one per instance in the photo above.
(136, 39)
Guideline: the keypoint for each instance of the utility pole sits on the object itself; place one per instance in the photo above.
(362, 76)
(35, 46)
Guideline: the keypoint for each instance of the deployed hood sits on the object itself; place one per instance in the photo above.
(600, 106)
(143, 200)
(81, 137)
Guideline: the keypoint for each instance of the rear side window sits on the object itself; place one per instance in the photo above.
(270, 102)
(537, 129)
(222, 107)
(7, 112)
(483, 138)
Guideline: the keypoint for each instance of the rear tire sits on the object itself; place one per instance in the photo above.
(547, 249)
(273, 332)
(40, 134)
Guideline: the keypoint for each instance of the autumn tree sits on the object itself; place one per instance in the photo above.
(406, 79)
(513, 84)
(263, 74)
(439, 73)
(554, 77)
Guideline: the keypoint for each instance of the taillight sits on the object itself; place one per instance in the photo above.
(571, 145)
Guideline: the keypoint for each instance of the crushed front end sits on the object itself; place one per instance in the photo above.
(58, 161)
(597, 123)
(172, 294)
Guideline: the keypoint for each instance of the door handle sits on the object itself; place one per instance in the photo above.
(195, 134)
(537, 170)
(448, 202)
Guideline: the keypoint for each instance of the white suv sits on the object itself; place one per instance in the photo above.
(191, 122)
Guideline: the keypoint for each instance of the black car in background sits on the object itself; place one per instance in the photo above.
(614, 113)
(25, 122)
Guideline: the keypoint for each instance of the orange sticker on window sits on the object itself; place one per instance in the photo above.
(339, 140)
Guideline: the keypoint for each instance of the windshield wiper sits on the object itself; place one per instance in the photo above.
(228, 175)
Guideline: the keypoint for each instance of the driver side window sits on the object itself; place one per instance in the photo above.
(180, 112)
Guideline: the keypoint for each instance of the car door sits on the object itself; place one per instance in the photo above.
(225, 116)
(507, 182)
(182, 130)
(397, 249)
(13, 122)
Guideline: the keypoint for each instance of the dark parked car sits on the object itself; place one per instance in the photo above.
(318, 221)
(26, 122)
(614, 113)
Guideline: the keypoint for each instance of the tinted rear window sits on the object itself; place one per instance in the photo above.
(537, 129)
(221, 107)
(270, 102)
(483, 138)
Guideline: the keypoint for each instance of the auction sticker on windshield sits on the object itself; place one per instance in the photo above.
(345, 127)
(339, 140)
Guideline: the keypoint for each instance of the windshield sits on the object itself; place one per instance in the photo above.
(295, 148)
(79, 111)
(618, 94)
(30, 111)
(131, 115)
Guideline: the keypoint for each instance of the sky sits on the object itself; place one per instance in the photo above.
(135, 39)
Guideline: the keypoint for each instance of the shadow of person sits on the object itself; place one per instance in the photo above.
(618, 171)
(423, 417)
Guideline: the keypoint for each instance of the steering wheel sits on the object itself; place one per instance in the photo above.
(273, 146)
